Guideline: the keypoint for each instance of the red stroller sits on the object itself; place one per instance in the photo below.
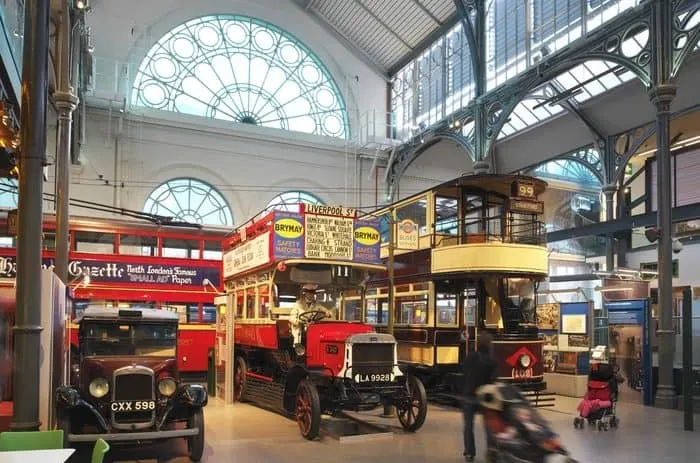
(598, 405)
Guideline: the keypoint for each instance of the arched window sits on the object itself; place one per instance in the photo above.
(242, 70)
(571, 170)
(8, 193)
(289, 201)
(189, 200)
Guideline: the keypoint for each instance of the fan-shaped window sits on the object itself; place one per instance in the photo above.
(242, 70)
(568, 170)
(8, 193)
(289, 201)
(189, 200)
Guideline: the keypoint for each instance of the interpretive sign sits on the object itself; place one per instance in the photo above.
(251, 254)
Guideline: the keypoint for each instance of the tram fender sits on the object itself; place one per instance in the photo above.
(291, 382)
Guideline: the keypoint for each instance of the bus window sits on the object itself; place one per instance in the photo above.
(183, 249)
(240, 303)
(352, 305)
(136, 245)
(250, 303)
(212, 250)
(94, 242)
(209, 314)
(264, 295)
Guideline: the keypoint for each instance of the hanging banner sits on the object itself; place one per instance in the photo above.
(253, 253)
(288, 236)
(366, 241)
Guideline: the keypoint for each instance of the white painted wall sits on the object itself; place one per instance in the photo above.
(125, 30)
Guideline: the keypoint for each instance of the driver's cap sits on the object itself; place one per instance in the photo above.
(309, 287)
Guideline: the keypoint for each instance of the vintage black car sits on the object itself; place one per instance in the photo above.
(125, 386)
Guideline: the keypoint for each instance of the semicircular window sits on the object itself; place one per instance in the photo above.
(289, 201)
(8, 193)
(243, 70)
(189, 200)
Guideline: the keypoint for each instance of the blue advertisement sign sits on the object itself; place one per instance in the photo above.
(366, 241)
(109, 271)
(287, 236)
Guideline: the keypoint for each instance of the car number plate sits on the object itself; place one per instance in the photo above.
(373, 378)
(133, 405)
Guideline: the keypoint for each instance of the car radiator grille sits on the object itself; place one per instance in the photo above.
(372, 358)
(133, 386)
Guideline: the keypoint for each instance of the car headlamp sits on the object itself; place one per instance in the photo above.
(99, 387)
(167, 387)
(525, 360)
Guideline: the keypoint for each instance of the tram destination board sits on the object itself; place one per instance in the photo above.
(329, 237)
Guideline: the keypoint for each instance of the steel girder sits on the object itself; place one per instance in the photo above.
(490, 110)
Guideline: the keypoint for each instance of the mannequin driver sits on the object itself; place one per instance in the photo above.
(305, 303)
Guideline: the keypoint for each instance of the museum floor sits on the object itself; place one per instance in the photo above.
(243, 434)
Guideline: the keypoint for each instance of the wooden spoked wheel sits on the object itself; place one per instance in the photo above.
(413, 410)
(308, 410)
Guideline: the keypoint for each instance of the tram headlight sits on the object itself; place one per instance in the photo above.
(167, 387)
(525, 360)
(99, 387)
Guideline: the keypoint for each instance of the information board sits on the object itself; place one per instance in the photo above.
(328, 237)
(252, 254)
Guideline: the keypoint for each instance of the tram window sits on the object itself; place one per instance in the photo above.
(183, 249)
(377, 312)
(412, 310)
(446, 216)
(93, 242)
(212, 250)
(421, 286)
(415, 211)
(494, 221)
(446, 307)
(137, 245)
(7, 242)
(493, 318)
(264, 295)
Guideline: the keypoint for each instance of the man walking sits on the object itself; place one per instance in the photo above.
(479, 369)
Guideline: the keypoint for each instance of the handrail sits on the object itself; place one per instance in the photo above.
(492, 228)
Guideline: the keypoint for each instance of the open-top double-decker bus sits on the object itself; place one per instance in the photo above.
(328, 366)
(468, 255)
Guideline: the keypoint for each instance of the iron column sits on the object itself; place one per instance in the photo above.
(662, 96)
(609, 192)
(65, 101)
(27, 329)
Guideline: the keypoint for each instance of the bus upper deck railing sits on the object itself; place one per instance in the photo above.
(451, 232)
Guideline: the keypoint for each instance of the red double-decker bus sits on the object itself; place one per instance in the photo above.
(125, 263)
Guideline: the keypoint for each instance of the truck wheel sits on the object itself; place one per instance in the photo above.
(308, 410)
(239, 379)
(195, 444)
(412, 410)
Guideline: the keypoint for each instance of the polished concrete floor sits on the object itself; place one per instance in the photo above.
(244, 434)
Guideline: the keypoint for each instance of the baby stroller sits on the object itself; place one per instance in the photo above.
(598, 405)
(517, 432)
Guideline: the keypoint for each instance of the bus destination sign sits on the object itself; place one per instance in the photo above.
(328, 237)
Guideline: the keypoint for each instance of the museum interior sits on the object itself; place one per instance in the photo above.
(309, 230)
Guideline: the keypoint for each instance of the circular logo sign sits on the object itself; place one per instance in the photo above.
(408, 226)
(367, 236)
(289, 228)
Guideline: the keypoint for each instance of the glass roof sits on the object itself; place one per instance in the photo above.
(570, 170)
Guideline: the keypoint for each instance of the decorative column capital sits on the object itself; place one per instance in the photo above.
(609, 189)
(664, 93)
(481, 167)
(65, 101)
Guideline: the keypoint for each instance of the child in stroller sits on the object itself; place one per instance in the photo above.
(598, 405)
(519, 433)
